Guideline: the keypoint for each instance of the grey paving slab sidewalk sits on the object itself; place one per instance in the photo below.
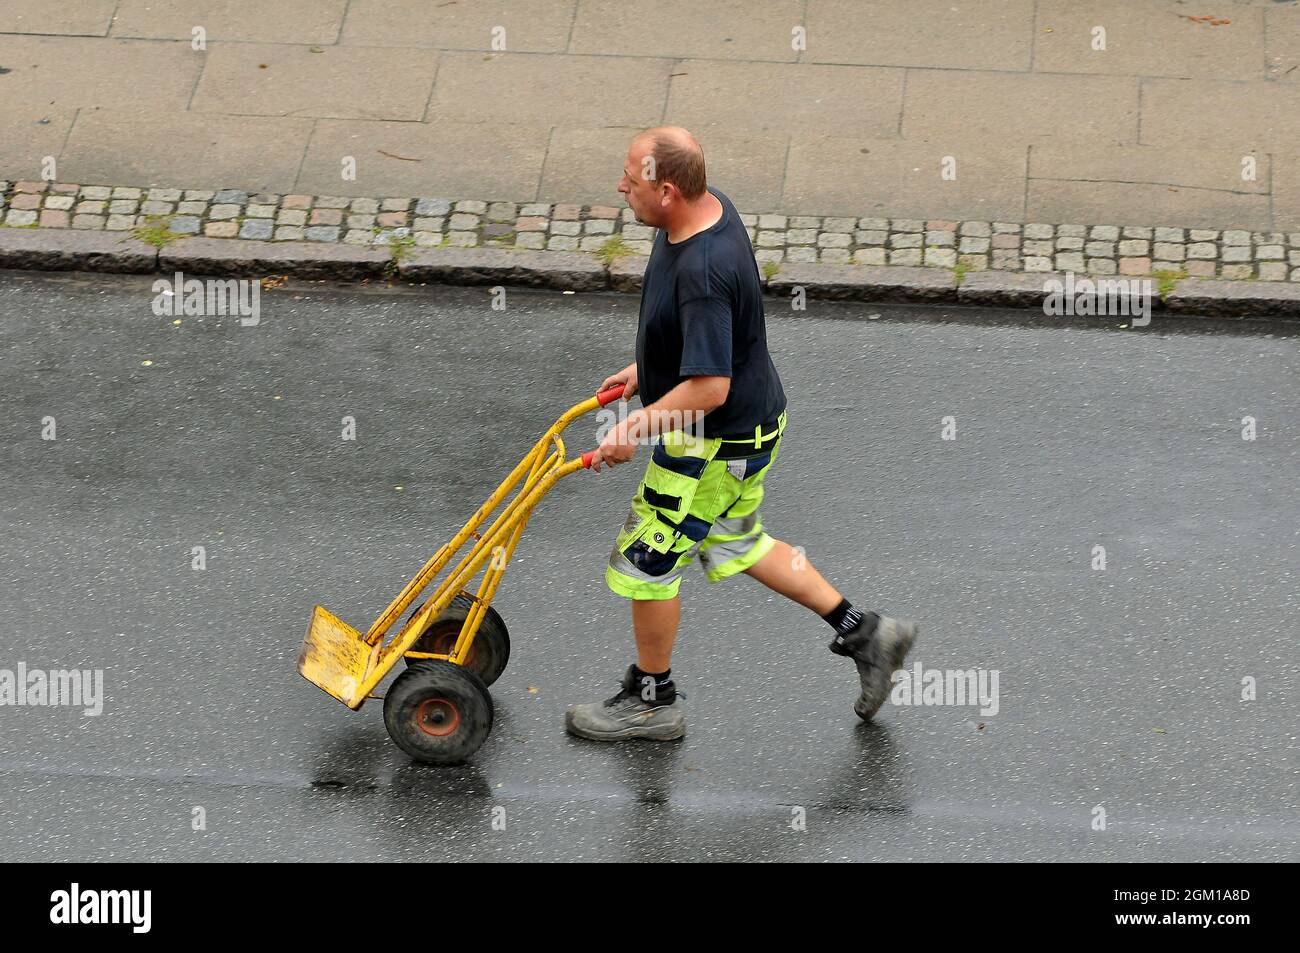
(1125, 112)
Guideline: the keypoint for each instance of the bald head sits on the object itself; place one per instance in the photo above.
(677, 157)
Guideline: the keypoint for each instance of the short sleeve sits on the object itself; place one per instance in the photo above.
(706, 337)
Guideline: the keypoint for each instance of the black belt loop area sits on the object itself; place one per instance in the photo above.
(734, 448)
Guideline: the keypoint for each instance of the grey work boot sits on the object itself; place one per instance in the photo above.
(628, 715)
(878, 650)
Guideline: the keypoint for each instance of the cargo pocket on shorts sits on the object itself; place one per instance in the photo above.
(667, 492)
(672, 477)
(655, 549)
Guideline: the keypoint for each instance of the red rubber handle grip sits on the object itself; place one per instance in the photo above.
(611, 395)
(604, 397)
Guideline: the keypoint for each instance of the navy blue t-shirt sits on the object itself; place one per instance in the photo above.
(702, 314)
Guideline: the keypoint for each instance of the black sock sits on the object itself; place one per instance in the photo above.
(664, 689)
(844, 618)
(661, 678)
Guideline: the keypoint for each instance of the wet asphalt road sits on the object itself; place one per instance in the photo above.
(1118, 688)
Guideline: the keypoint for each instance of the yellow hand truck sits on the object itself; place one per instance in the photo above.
(455, 644)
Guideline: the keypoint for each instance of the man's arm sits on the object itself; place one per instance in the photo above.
(695, 395)
(706, 366)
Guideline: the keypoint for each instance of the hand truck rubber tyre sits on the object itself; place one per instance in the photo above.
(491, 649)
(438, 712)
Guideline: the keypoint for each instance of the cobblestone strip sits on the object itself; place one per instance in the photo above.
(437, 222)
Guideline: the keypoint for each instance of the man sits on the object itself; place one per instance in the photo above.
(701, 355)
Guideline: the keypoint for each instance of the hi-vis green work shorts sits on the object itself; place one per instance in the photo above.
(689, 502)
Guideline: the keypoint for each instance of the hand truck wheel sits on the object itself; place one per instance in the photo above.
(491, 649)
(438, 712)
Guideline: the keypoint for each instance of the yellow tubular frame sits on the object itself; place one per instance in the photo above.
(544, 469)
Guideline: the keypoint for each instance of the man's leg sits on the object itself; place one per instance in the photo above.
(682, 494)
(737, 543)
(645, 567)
(878, 644)
(654, 621)
(805, 585)
(646, 705)
(791, 574)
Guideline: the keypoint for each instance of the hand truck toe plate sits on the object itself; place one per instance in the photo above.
(336, 657)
